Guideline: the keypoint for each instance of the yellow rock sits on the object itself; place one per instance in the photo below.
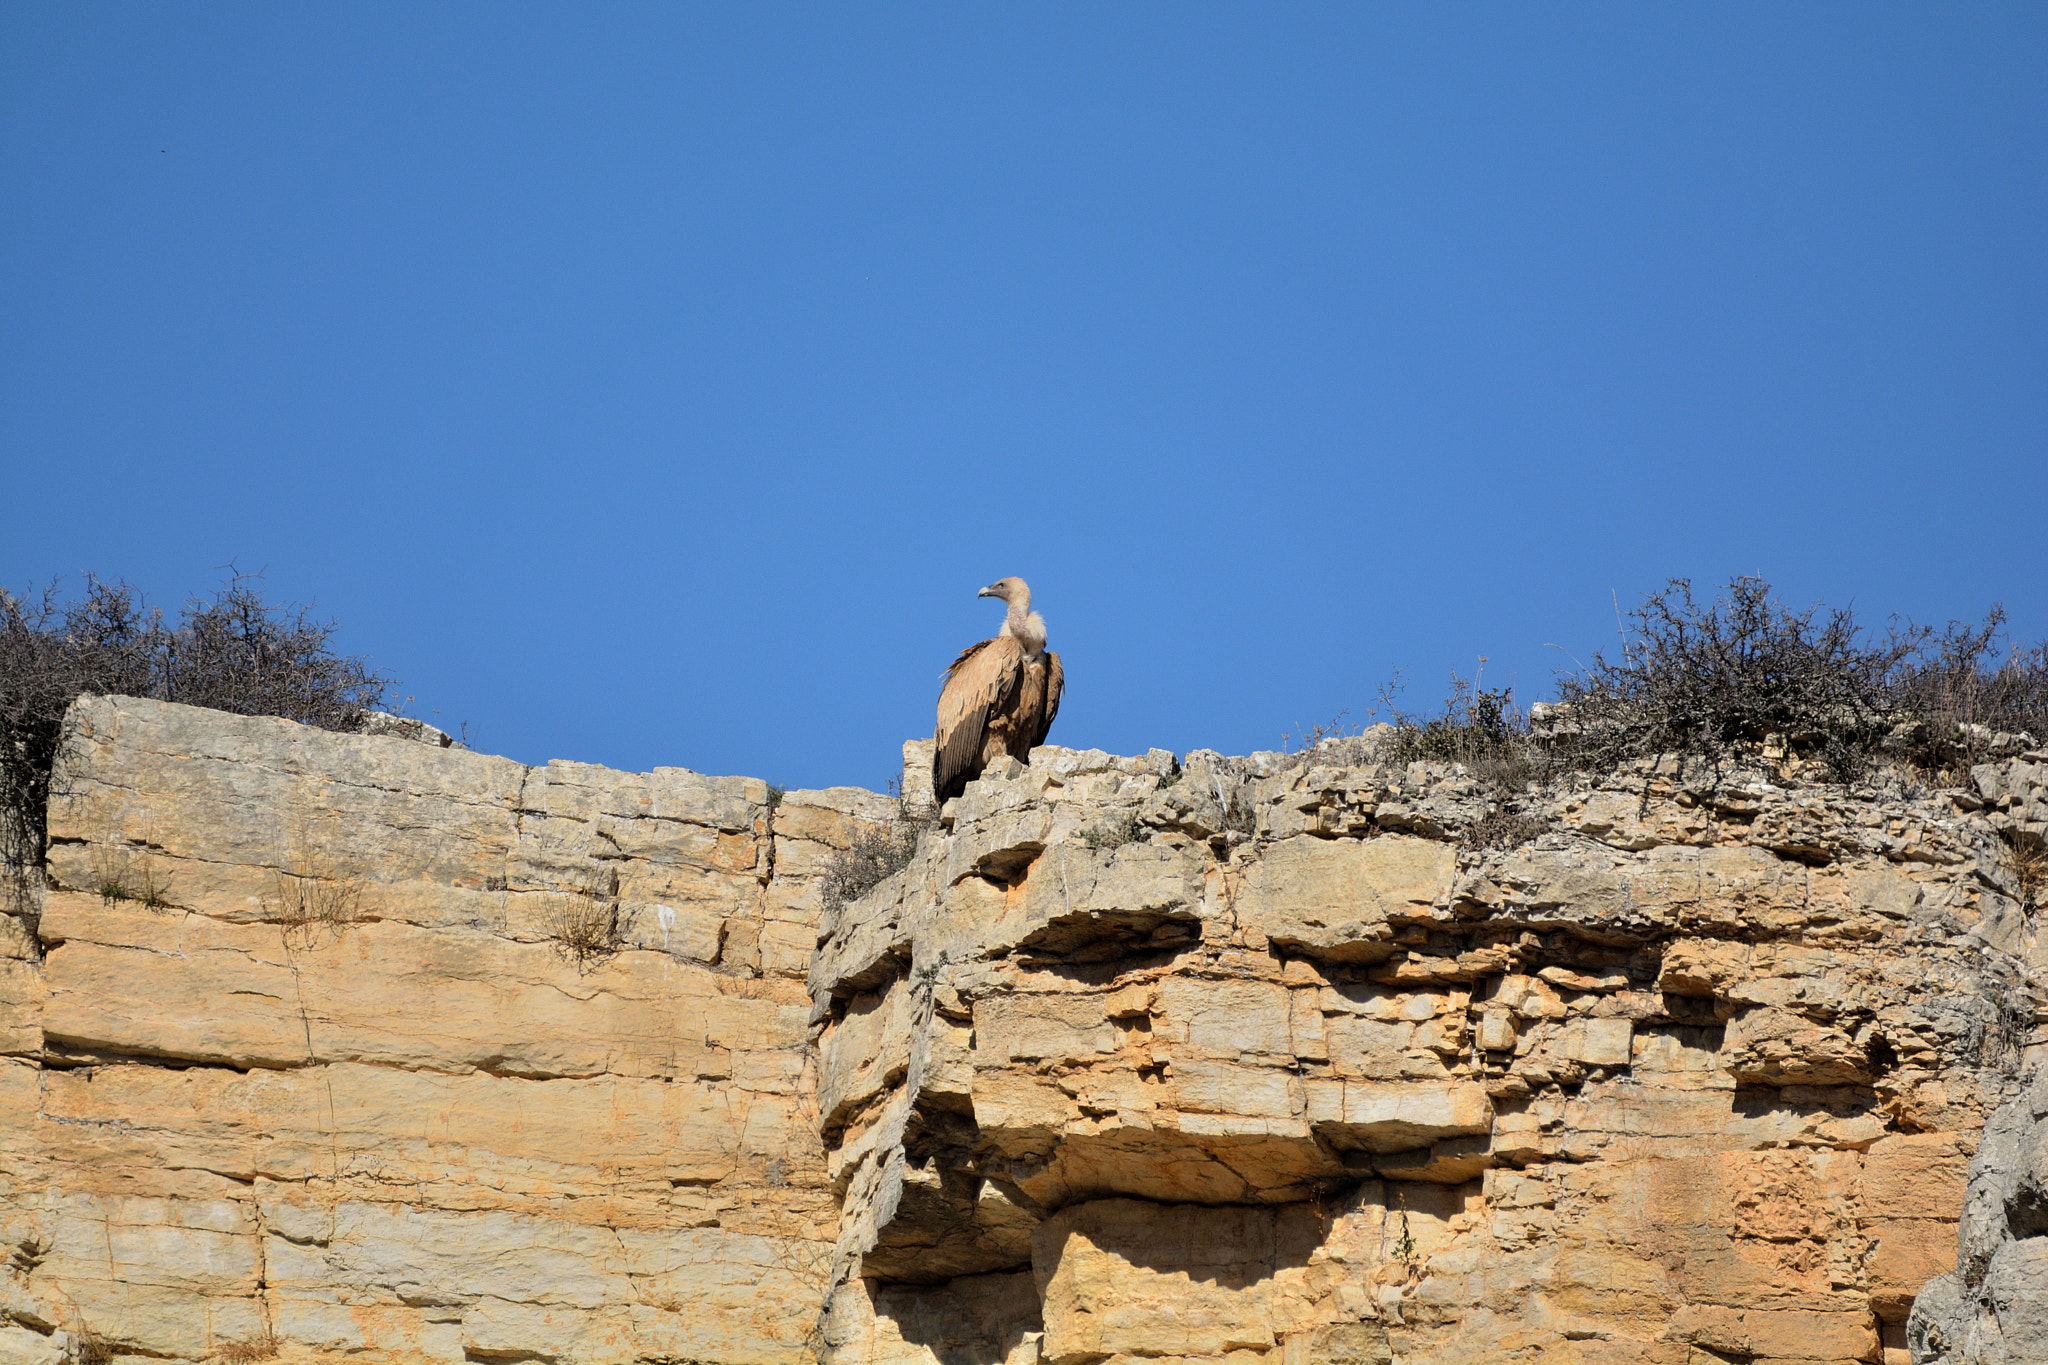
(405, 1054)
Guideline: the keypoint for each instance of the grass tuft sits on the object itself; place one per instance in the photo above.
(90, 1348)
(585, 923)
(2027, 861)
(119, 875)
(317, 899)
(1480, 728)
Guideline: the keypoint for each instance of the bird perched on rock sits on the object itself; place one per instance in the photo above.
(999, 696)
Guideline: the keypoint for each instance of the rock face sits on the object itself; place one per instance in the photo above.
(378, 1050)
(1992, 1309)
(342, 1083)
(1264, 1060)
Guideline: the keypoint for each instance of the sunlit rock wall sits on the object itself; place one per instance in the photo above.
(1277, 1060)
(1251, 1060)
(423, 1131)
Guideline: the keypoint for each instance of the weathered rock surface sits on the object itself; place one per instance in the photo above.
(1992, 1308)
(419, 1129)
(1224, 1060)
(1264, 1060)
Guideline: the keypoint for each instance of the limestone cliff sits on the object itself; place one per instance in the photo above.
(345, 1086)
(1273, 1059)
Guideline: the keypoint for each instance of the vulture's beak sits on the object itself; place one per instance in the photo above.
(992, 590)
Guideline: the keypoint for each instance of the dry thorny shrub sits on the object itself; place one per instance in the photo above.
(585, 923)
(235, 653)
(2027, 861)
(1708, 682)
(1961, 693)
(877, 852)
(1744, 677)
(1722, 680)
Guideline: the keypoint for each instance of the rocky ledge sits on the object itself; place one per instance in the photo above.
(1279, 1059)
(359, 1048)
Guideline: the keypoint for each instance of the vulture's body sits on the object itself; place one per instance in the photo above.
(1000, 696)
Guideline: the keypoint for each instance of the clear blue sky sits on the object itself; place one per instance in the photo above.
(656, 384)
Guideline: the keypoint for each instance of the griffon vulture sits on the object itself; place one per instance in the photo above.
(999, 696)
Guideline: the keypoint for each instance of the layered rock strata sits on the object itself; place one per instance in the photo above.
(364, 1049)
(306, 1057)
(1279, 1060)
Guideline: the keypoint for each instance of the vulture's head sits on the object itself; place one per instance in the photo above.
(1011, 590)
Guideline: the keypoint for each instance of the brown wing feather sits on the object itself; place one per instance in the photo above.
(980, 682)
(1056, 680)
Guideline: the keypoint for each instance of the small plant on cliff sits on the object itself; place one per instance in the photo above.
(119, 875)
(314, 899)
(1478, 727)
(235, 653)
(2002, 1039)
(1404, 1245)
(1502, 828)
(90, 1348)
(585, 924)
(1240, 818)
(876, 853)
(2027, 861)
(925, 981)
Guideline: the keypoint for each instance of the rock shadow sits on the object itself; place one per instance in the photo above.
(971, 1320)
